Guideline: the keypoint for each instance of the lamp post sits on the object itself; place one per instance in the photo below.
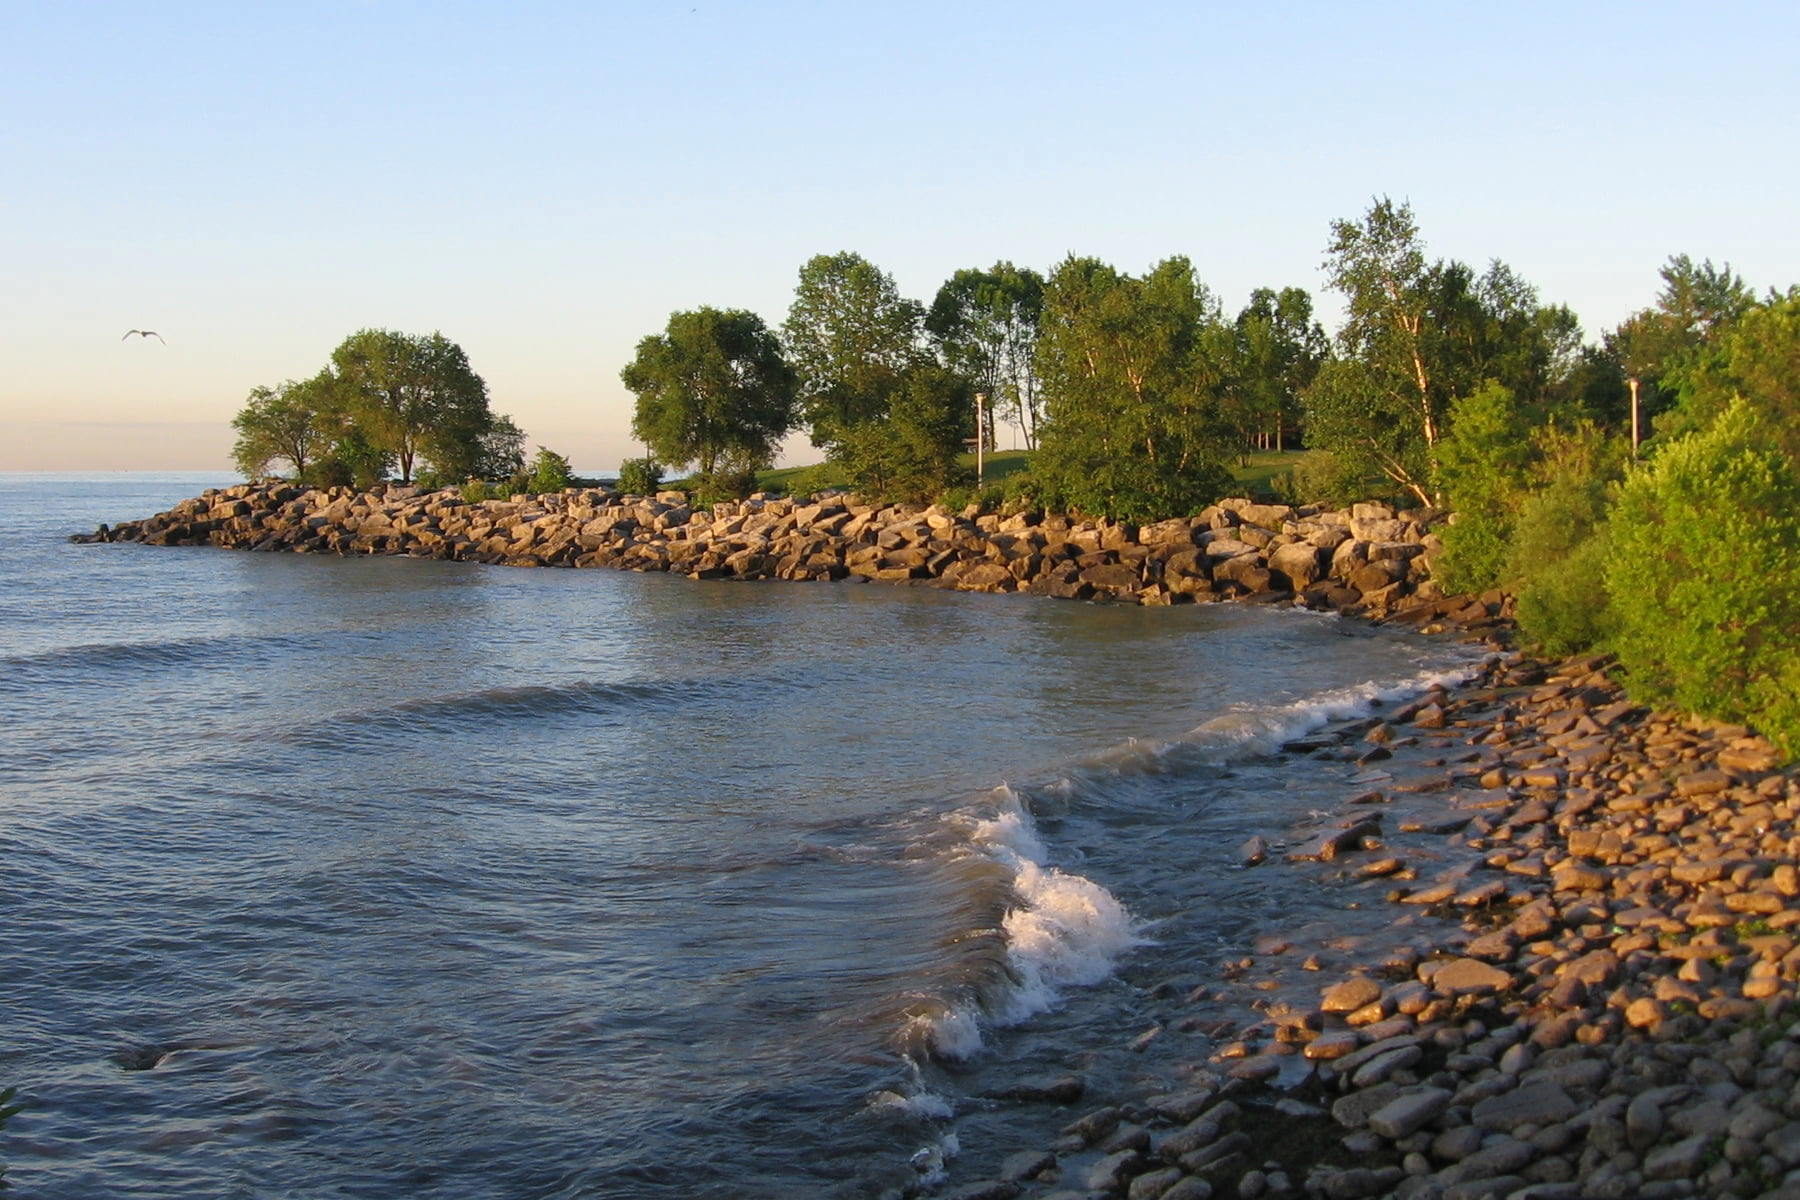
(980, 438)
(1633, 381)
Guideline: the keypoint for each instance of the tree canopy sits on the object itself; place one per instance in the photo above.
(292, 422)
(985, 326)
(385, 399)
(715, 389)
(850, 336)
(415, 396)
(1131, 384)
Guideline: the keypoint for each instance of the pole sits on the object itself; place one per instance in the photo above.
(1634, 415)
(980, 438)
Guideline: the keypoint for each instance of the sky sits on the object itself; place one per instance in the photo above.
(545, 183)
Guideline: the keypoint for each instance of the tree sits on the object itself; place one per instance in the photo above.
(1416, 336)
(714, 389)
(1757, 359)
(415, 397)
(1132, 420)
(1658, 345)
(851, 337)
(910, 452)
(1704, 574)
(500, 453)
(1277, 349)
(549, 472)
(985, 325)
(291, 422)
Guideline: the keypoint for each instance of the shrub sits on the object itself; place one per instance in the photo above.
(549, 472)
(1481, 469)
(640, 476)
(1704, 574)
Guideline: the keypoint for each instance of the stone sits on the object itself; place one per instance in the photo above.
(1468, 977)
(1539, 1104)
(1679, 1161)
(1408, 1112)
(1350, 995)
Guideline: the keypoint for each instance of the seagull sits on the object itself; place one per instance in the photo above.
(144, 333)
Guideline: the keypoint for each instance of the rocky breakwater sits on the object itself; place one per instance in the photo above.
(1585, 987)
(1366, 559)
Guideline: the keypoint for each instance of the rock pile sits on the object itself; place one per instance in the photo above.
(1606, 1009)
(1368, 558)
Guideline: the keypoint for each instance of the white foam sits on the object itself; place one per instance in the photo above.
(1066, 930)
(1251, 731)
(928, 1105)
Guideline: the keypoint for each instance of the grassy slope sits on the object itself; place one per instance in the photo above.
(1255, 476)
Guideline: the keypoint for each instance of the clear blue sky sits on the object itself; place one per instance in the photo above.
(545, 183)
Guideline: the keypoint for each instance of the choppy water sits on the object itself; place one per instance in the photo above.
(381, 877)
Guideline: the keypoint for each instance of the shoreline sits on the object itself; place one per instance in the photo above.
(1368, 560)
(1585, 989)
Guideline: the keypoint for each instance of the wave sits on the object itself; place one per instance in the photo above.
(1249, 731)
(1058, 930)
(68, 664)
(524, 702)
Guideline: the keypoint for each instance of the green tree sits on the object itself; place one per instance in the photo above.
(714, 389)
(292, 422)
(414, 397)
(1756, 358)
(1132, 416)
(910, 452)
(851, 338)
(1704, 574)
(640, 476)
(1482, 470)
(985, 325)
(1658, 345)
(1416, 335)
(500, 452)
(1277, 351)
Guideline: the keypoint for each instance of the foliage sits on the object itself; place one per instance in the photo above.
(851, 338)
(414, 396)
(640, 476)
(477, 490)
(911, 451)
(1133, 427)
(985, 326)
(291, 422)
(1756, 358)
(1659, 345)
(712, 389)
(1481, 473)
(1277, 350)
(1704, 575)
(1558, 554)
(549, 472)
(1416, 336)
(499, 453)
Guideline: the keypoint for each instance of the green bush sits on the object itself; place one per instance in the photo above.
(1704, 575)
(640, 476)
(1481, 470)
(549, 472)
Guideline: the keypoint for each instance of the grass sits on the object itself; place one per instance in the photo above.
(1259, 470)
(1255, 474)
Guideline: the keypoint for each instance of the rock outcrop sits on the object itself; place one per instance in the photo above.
(1367, 559)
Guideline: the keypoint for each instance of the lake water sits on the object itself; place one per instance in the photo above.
(383, 877)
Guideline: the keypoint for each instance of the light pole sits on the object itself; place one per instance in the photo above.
(980, 438)
(1633, 381)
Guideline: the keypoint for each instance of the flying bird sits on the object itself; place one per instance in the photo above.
(144, 333)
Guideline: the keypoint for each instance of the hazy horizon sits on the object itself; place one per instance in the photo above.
(545, 186)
